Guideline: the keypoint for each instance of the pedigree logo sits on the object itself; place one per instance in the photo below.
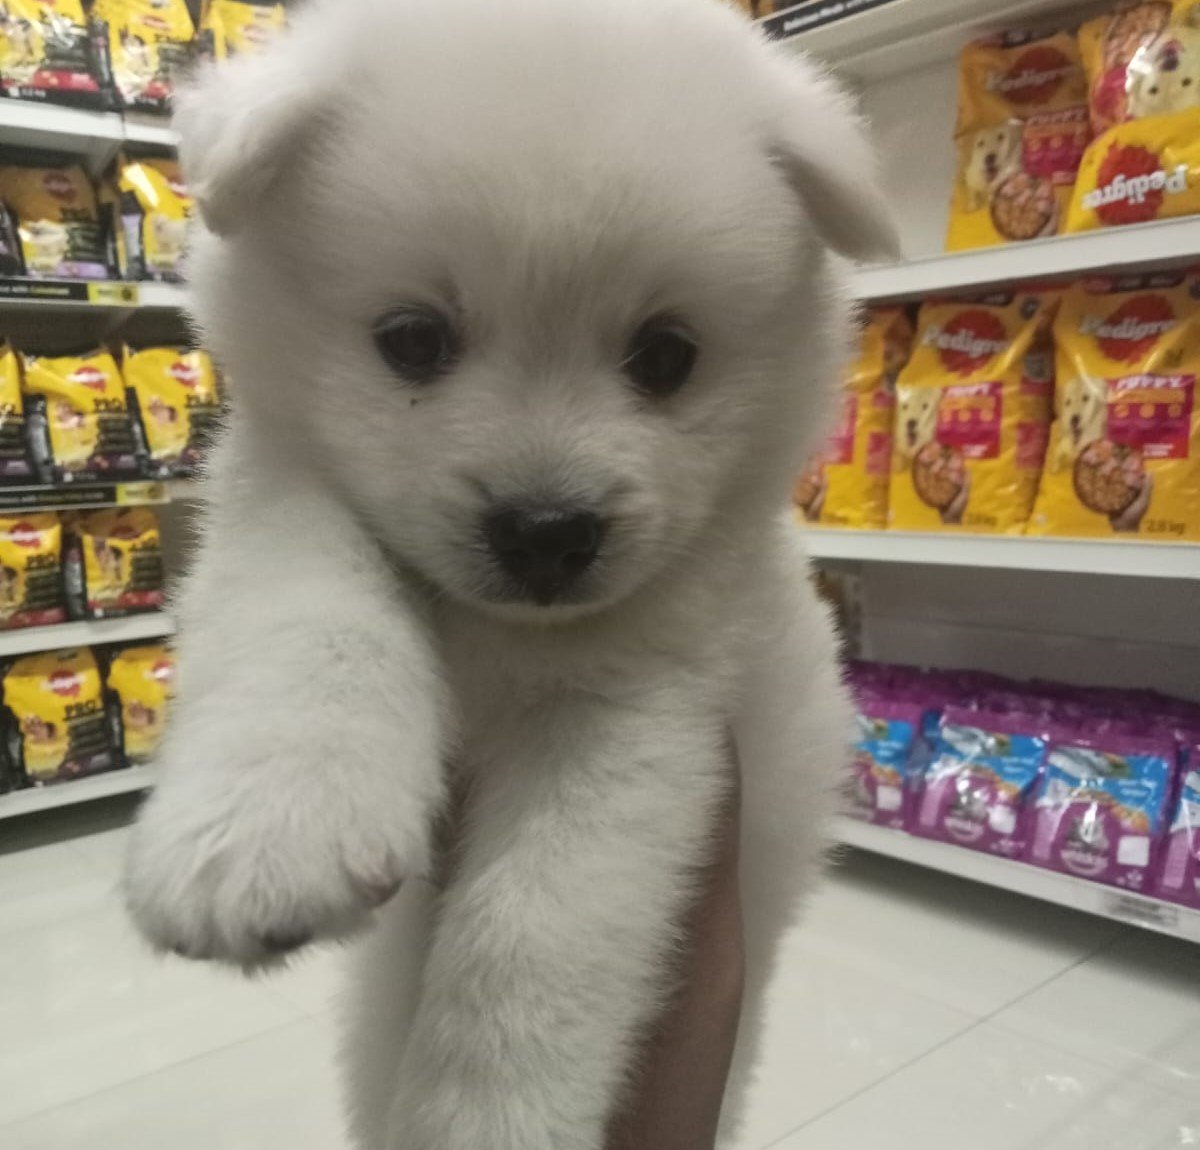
(25, 535)
(1129, 334)
(1034, 77)
(968, 341)
(66, 683)
(184, 373)
(88, 376)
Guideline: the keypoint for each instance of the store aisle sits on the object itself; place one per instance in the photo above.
(915, 1011)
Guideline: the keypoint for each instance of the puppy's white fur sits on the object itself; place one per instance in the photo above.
(551, 175)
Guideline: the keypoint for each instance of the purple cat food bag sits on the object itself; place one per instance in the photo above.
(977, 787)
(1180, 877)
(887, 738)
(1102, 805)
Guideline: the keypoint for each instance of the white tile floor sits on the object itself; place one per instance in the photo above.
(915, 1012)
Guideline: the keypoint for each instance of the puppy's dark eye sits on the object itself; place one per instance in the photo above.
(661, 358)
(416, 343)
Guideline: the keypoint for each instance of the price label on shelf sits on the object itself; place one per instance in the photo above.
(113, 294)
(800, 18)
(1141, 911)
(130, 494)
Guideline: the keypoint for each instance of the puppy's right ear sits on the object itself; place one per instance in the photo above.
(239, 121)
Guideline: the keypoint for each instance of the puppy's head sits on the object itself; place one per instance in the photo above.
(546, 291)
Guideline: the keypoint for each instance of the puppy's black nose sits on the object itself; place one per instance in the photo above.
(543, 549)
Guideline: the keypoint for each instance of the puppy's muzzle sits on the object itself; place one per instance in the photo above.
(543, 550)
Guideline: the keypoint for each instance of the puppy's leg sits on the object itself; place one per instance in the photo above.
(302, 762)
(552, 945)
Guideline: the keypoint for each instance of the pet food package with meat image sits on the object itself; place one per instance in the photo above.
(174, 394)
(978, 788)
(846, 484)
(31, 582)
(1102, 807)
(886, 752)
(230, 28)
(1124, 454)
(79, 426)
(14, 452)
(973, 413)
(1143, 66)
(49, 52)
(149, 45)
(113, 563)
(1021, 132)
(59, 727)
(57, 222)
(1180, 877)
(142, 682)
(155, 218)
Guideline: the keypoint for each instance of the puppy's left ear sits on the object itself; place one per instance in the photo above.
(821, 145)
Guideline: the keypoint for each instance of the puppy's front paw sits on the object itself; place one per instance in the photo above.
(248, 875)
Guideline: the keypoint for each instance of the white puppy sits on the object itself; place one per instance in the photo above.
(530, 321)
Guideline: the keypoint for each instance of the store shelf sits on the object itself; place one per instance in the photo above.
(89, 295)
(150, 133)
(95, 136)
(122, 782)
(139, 493)
(1076, 556)
(153, 625)
(1021, 878)
(1163, 244)
(872, 39)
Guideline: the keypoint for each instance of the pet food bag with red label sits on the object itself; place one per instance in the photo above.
(58, 223)
(14, 451)
(58, 727)
(1022, 129)
(31, 585)
(972, 414)
(1143, 67)
(114, 563)
(1124, 455)
(50, 53)
(150, 45)
(143, 681)
(846, 485)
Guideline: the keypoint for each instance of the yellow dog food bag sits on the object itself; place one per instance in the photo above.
(14, 454)
(156, 214)
(973, 411)
(240, 27)
(1021, 132)
(79, 425)
(846, 485)
(57, 221)
(1143, 66)
(59, 726)
(114, 563)
(47, 53)
(31, 586)
(142, 679)
(175, 394)
(1124, 455)
(149, 44)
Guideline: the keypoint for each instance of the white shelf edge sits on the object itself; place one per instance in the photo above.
(1022, 878)
(1009, 552)
(128, 780)
(97, 632)
(1158, 245)
(173, 297)
(143, 132)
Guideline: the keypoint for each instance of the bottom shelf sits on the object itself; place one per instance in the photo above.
(103, 786)
(1022, 878)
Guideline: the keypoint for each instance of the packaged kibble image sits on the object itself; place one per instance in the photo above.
(886, 749)
(149, 44)
(230, 28)
(31, 583)
(113, 563)
(49, 53)
(155, 217)
(57, 221)
(173, 392)
(1143, 66)
(973, 411)
(142, 681)
(14, 452)
(1021, 131)
(1124, 454)
(58, 727)
(846, 484)
(79, 426)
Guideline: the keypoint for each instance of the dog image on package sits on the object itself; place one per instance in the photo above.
(972, 414)
(1143, 66)
(1021, 130)
(498, 408)
(1125, 445)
